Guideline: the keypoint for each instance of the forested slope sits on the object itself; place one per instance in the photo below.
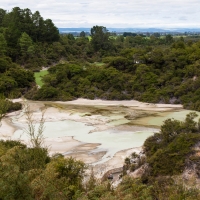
(151, 69)
(150, 74)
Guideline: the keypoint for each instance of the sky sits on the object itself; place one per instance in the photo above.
(114, 13)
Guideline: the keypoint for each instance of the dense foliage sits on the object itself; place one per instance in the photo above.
(69, 81)
(169, 151)
(27, 38)
(153, 68)
(151, 74)
(29, 173)
(14, 80)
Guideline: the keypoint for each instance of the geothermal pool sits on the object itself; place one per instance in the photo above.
(95, 132)
(110, 140)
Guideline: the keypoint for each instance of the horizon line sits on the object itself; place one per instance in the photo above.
(138, 27)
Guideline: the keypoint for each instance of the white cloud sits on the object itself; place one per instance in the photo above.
(118, 13)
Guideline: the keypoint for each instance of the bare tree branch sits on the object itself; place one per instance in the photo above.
(35, 135)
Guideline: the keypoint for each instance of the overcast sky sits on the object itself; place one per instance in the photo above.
(114, 13)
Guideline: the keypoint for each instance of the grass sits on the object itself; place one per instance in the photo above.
(90, 38)
(38, 77)
(99, 64)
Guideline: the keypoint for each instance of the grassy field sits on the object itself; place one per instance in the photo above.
(38, 77)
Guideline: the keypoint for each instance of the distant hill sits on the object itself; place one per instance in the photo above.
(151, 30)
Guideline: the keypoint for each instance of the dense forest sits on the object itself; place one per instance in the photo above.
(152, 70)
(131, 66)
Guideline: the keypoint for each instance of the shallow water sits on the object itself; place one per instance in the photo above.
(111, 140)
(162, 116)
(118, 122)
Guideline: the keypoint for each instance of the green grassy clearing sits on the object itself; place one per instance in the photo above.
(99, 64)
(38, 77)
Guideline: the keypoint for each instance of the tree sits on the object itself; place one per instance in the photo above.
(4, 106)
(170, 129)
(19, 166)
(36, 137)
(24, 78)
(100, 38)
(7, 84)
(13, 22)
(62, 179)
(5, 64)
(157, 35)
(169, 39)
(3, 45)
(38, 23)
(28, 25)
(125, 34)
(25, 43)
(2, 14)
(82, 34)
(168, 151)
(49, 32)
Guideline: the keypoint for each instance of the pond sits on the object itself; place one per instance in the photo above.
(110, 140)
(158, 119)
(105, 127)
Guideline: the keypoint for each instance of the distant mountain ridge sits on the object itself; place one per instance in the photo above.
(181, 30)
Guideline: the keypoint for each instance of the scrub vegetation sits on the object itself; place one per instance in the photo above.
(168, 151)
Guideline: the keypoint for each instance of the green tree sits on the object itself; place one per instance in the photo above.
(49, 32)
(100, 38)
(7, 84)
(2, 14)
(168, 151)
(25, 43)
(170, 129)
(3, 45)
(19, 166)
(62, 179)
(169, 39)
(4, 106)
(24, 78)
(82, 34)
(38, 23)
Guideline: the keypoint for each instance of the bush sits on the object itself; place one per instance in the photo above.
(14, 106)
(168, 150)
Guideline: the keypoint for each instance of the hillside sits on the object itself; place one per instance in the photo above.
(150, 74)
(151, 69)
